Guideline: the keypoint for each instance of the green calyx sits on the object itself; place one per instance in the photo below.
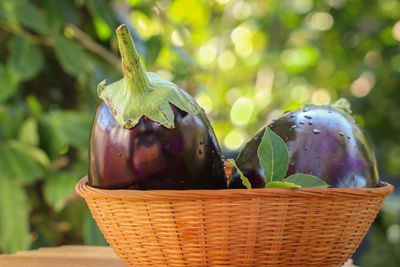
(142, 93)
(343, 104)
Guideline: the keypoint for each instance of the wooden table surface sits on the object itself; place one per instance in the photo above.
(70, 256)
(65, 256)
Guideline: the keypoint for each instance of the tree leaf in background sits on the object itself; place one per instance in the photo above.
(184, 56)
(273, 156)
(68, 10)
(36, 154)
(58, 188)
(28, 133)
(21, 162)
(25, 59)
(14, 222)
(11, 119)
(9, 83)
(102, 10)
(34, 106)
(30, 16)
(103, 31)
(53, 17)
(70, 55)
(305, 180)
(154, 46)
(72, 127)
(280, 184)
(51, 140)
(91, 232)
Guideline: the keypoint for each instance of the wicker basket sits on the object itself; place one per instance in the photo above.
(234, 227)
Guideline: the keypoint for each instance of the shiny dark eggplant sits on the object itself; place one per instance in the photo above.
(323, 141)
(151, 156)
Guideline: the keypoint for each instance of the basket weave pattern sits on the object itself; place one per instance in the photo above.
(236, 227)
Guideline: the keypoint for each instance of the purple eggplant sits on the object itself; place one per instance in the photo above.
(322, 140)
(149, 134)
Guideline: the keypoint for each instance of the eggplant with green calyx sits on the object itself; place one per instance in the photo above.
(149, 134)
(322, 140)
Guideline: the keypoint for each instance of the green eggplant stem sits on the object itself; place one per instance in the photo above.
(136, 80)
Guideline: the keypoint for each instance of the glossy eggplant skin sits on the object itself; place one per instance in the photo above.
(150, 156)
(322, 141)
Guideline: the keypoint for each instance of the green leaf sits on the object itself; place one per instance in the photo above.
(50, 138)
(14, 221)
(28, 132)
(306, 180)
(91, 232)
(102, 10)
(142, 93)
(273, 156)
(279, 184)
(34, 106)
(11, 118)
(22, 162)
(154, 46)
(58, 188)
(245, 180)
(9, 83)
(71, 127)
(70, 55)
(36, 154)
(25, 59)
(53, 19)
(30, 16)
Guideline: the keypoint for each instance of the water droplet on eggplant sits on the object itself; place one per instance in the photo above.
(201, 141)
(316, 131)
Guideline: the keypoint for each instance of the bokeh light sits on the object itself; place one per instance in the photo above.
(396, 31)
(234, 139)
(320, 21)
(273, 115)
(321, 96)
(241, 111)
(373, 58)
(393, 233)
(264, 84)
(207, 53)
(336, 3)
(205, 102)
(302, 6)
(241, 10)
(242, 38)
(226, 60)
(166, 74)
(176, 38)
(363, 85)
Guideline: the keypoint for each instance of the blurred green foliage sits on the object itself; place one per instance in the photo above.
(244, 61)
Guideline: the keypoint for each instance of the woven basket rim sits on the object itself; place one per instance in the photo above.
(86, 191)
